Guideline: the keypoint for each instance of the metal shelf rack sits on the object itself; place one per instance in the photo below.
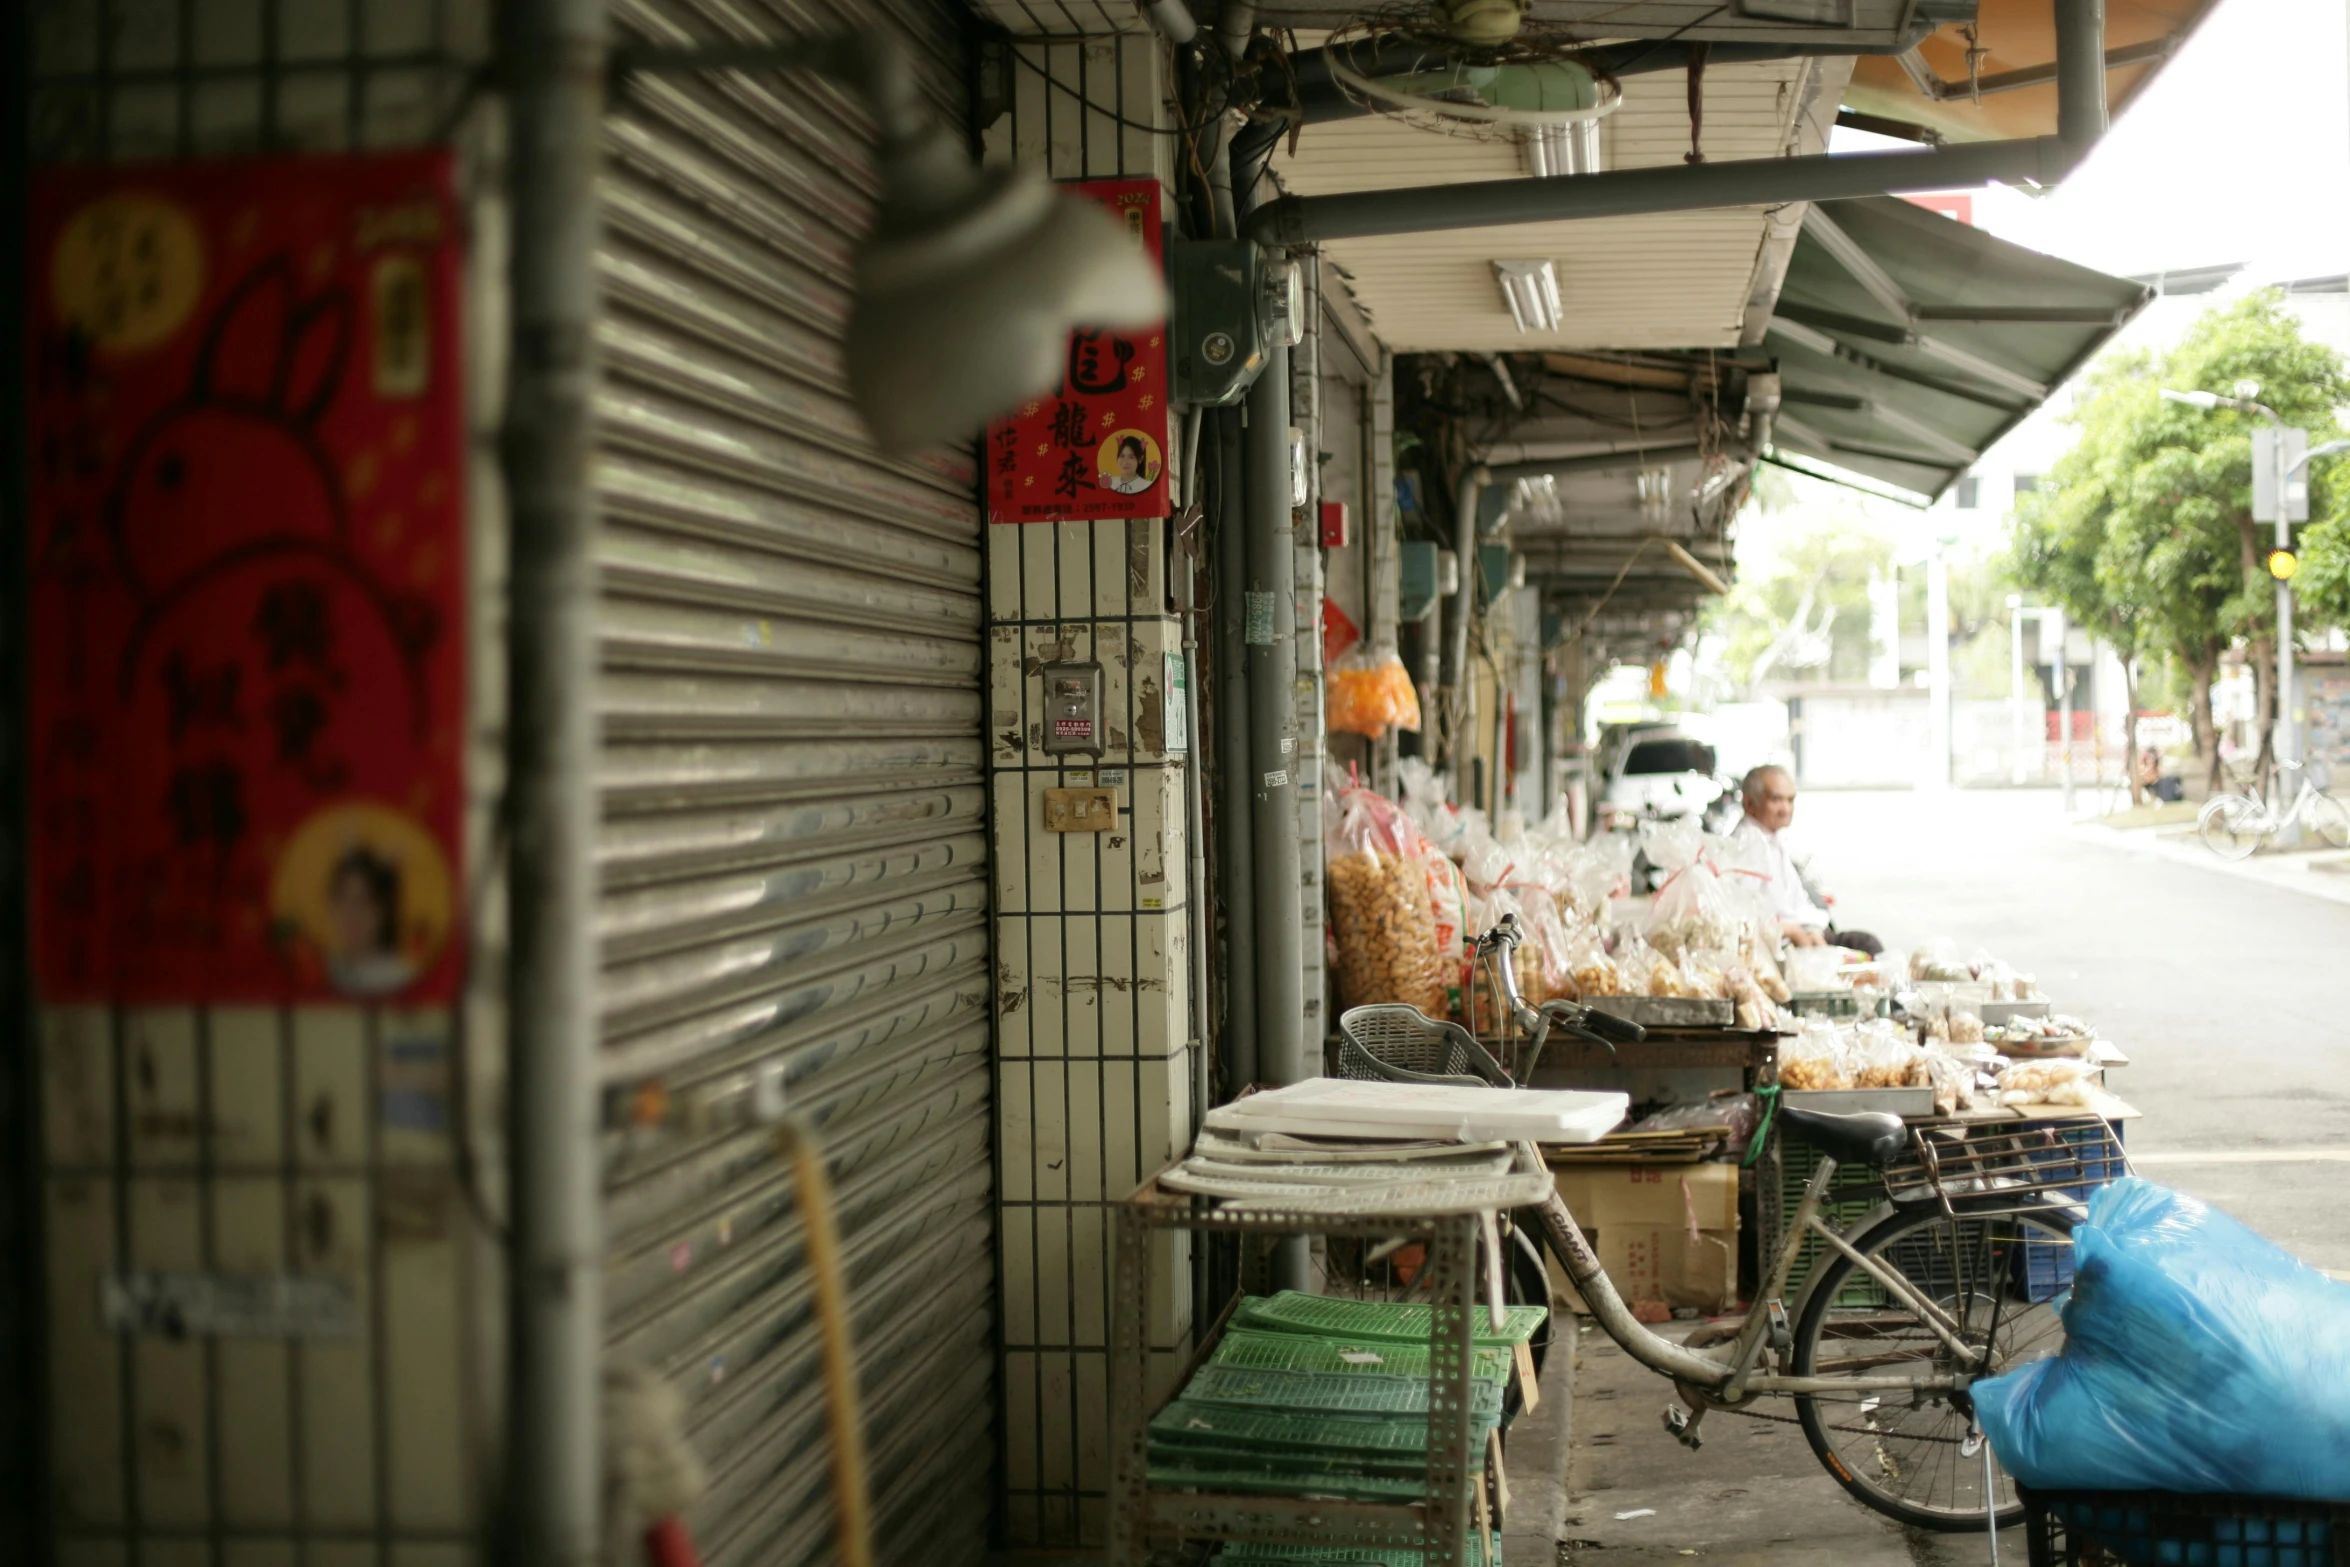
(1439, 1526)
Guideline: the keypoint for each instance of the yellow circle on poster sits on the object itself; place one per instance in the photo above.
(366, 889)
(1128, 462)
(128, 270)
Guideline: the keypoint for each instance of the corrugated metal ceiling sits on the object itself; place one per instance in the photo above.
(1677, 280)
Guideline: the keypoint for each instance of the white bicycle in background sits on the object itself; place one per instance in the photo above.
(2234, 825)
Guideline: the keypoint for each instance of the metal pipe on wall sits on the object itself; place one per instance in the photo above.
(1271, 613)
(555, 62)
(1424, 209)
(1271, 778)
(2080, 74)
(1236, 810)
(1459, 705)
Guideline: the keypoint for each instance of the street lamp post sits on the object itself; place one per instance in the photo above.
(2284, 742)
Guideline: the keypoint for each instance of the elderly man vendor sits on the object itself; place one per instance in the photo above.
(1769, 797)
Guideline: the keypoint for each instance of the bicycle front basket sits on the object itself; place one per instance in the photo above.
(1401, 1044)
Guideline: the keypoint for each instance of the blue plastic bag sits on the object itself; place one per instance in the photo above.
(2198, 1358)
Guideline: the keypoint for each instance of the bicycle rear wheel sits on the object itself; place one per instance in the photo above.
(2231, 826)
(2329, 819)
(1998, 1275)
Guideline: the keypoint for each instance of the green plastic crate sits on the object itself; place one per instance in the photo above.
(1329, 1392)
(1244, 1554)
(1298, 1477)
(1335, 1317)
(1313, 1352)
(1189, 1422)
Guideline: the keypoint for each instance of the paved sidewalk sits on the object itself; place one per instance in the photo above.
(2315, 873)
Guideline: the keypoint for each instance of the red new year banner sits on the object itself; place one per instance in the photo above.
(248, 569)
(1098, 446)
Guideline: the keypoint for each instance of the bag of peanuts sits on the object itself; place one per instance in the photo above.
(1382, 919)
(1370, 694)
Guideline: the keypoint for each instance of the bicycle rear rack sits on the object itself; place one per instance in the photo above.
(1981, 1166)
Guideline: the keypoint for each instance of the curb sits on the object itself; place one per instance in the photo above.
(2300, 873)
(1536, 1455)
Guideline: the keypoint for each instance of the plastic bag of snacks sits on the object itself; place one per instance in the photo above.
(2058, 1081)
(1952, 1080)
(1595, 973)
(1815, 1059)
(1886, 1059)
(1691, 909)
(1381, 919)
(1371, 693)
(1764, 966)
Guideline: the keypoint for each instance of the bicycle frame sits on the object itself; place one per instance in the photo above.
(1730, 1375)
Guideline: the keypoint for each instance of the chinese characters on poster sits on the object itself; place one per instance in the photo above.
(1097, 445)
(248, 571)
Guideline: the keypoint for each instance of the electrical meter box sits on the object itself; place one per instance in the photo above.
(1229, 301)
(1072, 709)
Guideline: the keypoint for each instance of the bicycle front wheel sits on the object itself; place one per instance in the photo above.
(1997, 1276)
(2231, 826)
(2329, 819)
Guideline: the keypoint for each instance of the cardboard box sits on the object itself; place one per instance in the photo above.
(1666, 1233)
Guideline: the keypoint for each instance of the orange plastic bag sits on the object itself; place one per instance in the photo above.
(1371, 693)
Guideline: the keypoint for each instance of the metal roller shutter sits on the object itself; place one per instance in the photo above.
(795, 850)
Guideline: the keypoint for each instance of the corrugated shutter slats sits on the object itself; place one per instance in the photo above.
(794, 861)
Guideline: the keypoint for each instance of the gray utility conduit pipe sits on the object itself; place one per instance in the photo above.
(555, 61)
(1236, 874)
(1458, 707)
(2043, 160)
(1271, 629)
(1751, 182)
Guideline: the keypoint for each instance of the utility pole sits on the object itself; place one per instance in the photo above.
(2015, 688)
(1938, 666)
(2052, 622)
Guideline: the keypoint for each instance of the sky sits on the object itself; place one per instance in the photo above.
(2238, 152)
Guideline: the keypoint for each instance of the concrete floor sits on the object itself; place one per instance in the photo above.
(2226, 990)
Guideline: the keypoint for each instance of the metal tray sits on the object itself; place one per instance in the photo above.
(1666, 1011)
(1903, 1102)
(2008, 1011)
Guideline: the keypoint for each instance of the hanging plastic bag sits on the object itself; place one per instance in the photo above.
(1690, 909)
(1381, 915)
(1370, 693)
(2198, 1358)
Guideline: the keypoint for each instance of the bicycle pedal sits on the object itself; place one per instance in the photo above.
(1782, 1337)
(1683, 1426)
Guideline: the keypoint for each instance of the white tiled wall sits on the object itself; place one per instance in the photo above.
(1094, 1016)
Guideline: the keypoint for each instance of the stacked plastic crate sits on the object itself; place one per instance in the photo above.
(1308, 1395)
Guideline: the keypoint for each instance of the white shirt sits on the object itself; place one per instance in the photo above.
(1790, 899)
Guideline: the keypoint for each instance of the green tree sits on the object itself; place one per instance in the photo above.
(1807, 611)
(2147, 522)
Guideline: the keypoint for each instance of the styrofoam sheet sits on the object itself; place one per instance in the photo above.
(1331, 1106)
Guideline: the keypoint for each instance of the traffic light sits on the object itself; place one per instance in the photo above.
(2282, 564)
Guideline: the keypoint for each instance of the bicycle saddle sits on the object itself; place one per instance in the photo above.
(1865, 1137)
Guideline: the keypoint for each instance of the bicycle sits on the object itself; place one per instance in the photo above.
(1951, 1280)
(2233, 825)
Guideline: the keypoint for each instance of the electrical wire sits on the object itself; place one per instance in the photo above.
(1092, 108)
(797, 1144)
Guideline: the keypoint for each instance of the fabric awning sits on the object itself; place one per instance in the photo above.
(1996, 75)
(1908, 343)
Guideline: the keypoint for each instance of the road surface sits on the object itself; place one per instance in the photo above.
(2224, 991)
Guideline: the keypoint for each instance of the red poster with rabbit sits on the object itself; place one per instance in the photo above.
(248, 570)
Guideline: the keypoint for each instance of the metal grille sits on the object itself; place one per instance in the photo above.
(253, 1140)
(795, 851)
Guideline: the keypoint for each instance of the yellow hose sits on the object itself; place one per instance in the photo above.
(812, 1188)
